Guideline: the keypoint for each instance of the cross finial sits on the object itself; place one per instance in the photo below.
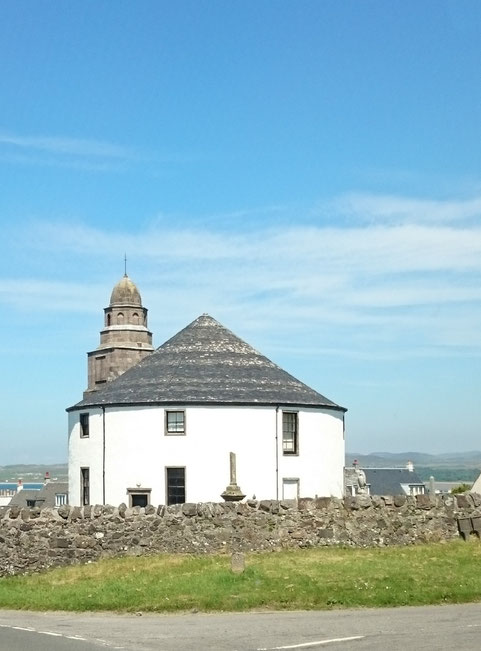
(125, 264)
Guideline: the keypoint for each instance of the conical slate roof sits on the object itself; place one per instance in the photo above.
(206, 364)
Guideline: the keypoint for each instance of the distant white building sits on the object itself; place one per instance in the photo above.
(162, 431)
(383, 481)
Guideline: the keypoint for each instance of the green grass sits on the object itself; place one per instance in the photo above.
(300, 579)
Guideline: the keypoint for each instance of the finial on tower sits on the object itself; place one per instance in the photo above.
(125, 264)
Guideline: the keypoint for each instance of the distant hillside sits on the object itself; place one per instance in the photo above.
(33, 472)
(449, 466)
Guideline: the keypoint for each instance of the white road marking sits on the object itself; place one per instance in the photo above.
(53, 634)
(306, 645)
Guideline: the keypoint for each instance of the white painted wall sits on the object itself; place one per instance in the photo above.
(137, 452)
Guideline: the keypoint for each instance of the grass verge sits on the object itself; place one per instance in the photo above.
(301, 579)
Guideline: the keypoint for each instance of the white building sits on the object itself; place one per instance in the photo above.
(162, 431)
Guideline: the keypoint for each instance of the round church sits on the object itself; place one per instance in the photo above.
(161, 426)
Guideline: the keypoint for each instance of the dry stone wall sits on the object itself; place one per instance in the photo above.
(32, 539)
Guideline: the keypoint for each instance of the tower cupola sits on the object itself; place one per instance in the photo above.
(125, 292)
(125, 338)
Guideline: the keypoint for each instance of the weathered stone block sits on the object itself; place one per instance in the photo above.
(189, 509)
(358, 502)
(84, 542)
(76, 513)
(14, 512)
(476, 499)
(425, 502)
(322, 502)
(463, 501)
(298, 534)
(265, 505)
(447, 501)
(238, 563)
(325, 533)
(399, 500)
(62, 543)
(305, 503)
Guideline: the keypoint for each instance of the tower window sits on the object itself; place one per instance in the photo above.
(84, 426)
(135, 318)
(85, 486)
(120, 318)
(109, 318)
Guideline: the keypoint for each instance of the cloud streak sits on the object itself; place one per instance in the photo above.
(395, 209)
(67, 146)
(372, 289)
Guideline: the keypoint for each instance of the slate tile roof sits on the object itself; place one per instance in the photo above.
(387, 481)
(44, 497)
(206, 363)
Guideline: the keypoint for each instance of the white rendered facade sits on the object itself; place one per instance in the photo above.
(127, 447)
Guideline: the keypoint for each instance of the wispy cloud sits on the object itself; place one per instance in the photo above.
(71, 146)
(83, 153)
(375, 289)
(374, 250)
(395, 209)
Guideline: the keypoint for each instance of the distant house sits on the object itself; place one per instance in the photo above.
(384, 481)
(6, 494)
(52, 493)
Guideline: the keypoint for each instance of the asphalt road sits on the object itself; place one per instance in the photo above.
(397, 629)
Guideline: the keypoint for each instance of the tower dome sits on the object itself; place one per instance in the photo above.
(125, 292)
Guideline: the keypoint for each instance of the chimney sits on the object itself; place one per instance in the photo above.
(19, 485)
(410, 466)
(47, 477)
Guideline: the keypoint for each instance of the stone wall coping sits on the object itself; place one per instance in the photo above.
(209, 509)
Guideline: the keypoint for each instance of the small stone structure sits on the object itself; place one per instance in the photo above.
(33, 540)
(232, 492)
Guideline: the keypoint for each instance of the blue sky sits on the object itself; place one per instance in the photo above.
(309, 173)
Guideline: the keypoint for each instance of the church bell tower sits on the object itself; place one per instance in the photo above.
(125, 338)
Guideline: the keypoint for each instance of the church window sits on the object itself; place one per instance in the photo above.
(135, 318)
(120, 318)
(108, 319)
(139, 496)
(85, 486)
(84, 426)
(175, 479)
(290, 432)
(175, 422)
